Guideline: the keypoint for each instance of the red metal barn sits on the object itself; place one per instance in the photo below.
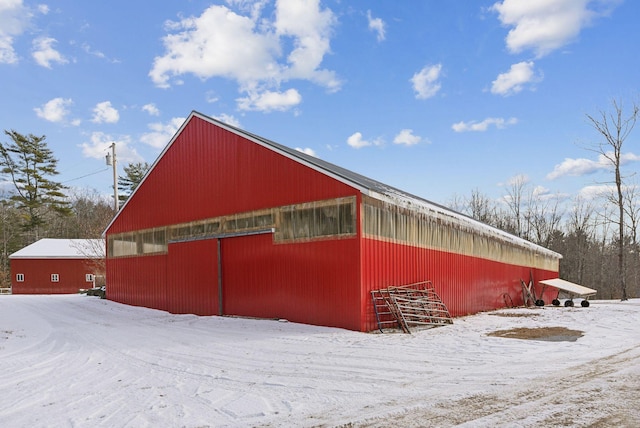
(229, 223)
(55, 266)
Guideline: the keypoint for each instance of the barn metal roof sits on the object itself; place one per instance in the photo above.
(61, 249)
(369, 187)
(383, 191)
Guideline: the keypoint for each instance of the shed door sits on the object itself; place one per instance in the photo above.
(192, 277)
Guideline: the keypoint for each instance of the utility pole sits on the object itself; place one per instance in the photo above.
(111, 160)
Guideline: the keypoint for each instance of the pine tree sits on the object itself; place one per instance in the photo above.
(134, 173)
(29, 164)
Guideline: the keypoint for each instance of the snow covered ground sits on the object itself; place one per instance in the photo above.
(78, 361)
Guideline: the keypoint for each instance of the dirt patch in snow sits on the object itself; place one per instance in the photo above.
(553, 334)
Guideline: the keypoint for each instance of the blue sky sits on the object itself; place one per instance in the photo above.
(436, 98)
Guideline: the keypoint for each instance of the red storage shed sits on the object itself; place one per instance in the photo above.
(55, 266)
(229, 223)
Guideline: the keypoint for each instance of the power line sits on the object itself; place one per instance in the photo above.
(87, 175)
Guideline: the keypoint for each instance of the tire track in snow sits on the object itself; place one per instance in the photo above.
(570, 398)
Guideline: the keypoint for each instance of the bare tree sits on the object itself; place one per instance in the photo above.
(94, 251)
(458, 203)
(614, 127)
(543, 215)
(581, 228)
(514, 201)
(632, 211)
(93, 213)
(481, 207)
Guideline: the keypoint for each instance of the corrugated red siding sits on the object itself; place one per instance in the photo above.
(37, 276)
(182, 281)
(192, 277)
(314, 282)
(467, 285)
(138, 281)
(210, 172)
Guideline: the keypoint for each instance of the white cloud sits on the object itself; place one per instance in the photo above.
(44, 53)
(249, 50)
(540, 191)
(98, 54)
(228, 119)
(513, 81)
(211, 97)
(574, 167)
(14, 19)
(7, 54)
(357, 142)
(252, 7)
(582, 166)
(624, 158)
(498, 122)
(270, 100)
(43, 9)
(425, 82)
(151, 109)
(407, 138)
(308, 151)
(217, 43)
(545, 25)
(99, 145)
(55, 110)
(105, 113)
(161, 133)
(310, 28)
(596, 191)
(376, 25)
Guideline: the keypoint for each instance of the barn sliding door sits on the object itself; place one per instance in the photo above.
(192, 277)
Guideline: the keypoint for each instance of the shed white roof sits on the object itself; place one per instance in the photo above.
(62, 249)
(570, 287)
